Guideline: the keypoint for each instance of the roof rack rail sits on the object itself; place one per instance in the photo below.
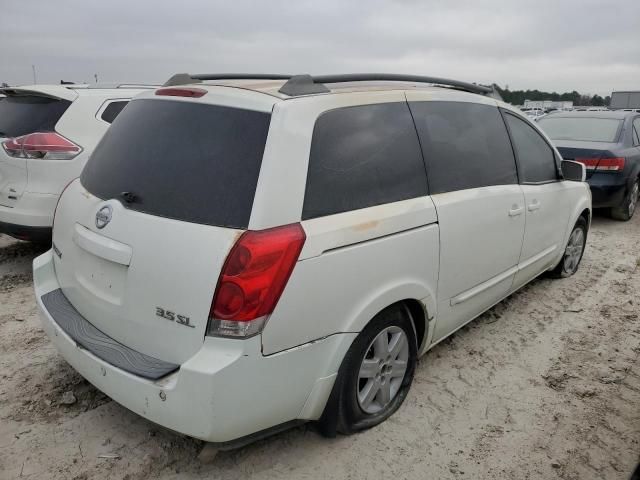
(394, 77)
(307, 84)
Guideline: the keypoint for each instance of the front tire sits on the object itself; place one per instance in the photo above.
(625, 211)
(375, 375)
(573, 252)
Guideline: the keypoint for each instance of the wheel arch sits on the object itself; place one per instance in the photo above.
(417, 299)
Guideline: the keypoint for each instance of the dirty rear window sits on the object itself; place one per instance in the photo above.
(188, 161)
(587, 129)
(23, 114)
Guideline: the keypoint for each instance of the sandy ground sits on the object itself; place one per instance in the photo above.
(545, 385)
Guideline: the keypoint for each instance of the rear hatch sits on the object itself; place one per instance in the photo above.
(21, 113)
(142, 236)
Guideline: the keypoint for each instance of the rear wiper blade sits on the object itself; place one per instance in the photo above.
(129, 197)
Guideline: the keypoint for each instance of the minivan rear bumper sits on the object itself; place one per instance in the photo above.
(227, 391)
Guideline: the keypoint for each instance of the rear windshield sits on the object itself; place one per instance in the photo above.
(23, 114)
(581, 128)
(188, 161)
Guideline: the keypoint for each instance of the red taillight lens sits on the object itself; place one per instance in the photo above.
(253, 277)
(603, 164)
(610, 164)
(41, 145)
(181, 92)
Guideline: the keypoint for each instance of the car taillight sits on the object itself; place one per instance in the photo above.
(603, 164)
(41, 145)
(253, 278)
(181, 92)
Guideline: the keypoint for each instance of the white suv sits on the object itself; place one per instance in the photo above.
(241, 255)
(47, 133)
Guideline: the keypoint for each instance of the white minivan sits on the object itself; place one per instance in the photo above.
(46, 135)
(245, 252)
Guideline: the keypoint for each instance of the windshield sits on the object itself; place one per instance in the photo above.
(583, 129)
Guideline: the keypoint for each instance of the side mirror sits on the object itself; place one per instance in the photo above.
(573, 171)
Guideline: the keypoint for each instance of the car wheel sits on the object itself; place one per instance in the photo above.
(375, 375)
(573, 252)
(625, 211)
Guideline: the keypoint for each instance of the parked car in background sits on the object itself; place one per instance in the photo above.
(534, 114)
(242, 255)
(47, 133)
(608, 144)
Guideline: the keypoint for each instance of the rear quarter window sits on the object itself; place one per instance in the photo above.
(183, 160)
(535, 157)
(363, 156)
(110, 113)
(466, 145)
(23, 114)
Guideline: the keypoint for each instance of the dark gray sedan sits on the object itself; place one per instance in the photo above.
(608, 143)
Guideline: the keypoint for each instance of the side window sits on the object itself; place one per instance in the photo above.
(536, 159)
(363, 156)
(636, 131)
(465, 145)
(110, 113)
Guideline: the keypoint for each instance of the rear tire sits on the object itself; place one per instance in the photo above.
(573, 252)
(375, 375)
(625, 211)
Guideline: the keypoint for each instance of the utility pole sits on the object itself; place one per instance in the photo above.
(35, 79)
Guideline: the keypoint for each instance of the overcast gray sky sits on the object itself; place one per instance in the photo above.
(587, 45)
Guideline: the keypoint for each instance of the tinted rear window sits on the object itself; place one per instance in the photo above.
(361, 157)
(581, 128)
(465, 145)
(23, 114)
(188, 161)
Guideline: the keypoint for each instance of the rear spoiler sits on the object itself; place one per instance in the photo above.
(54, 92)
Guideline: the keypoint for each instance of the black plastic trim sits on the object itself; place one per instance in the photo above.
(394, 77)
(302, 85)
(101, 345)
(27, 233)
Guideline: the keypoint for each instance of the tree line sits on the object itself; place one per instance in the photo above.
(517, 97)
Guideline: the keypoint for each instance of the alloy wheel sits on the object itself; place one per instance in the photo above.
(382, 369)
(633, 200)
(573, 252)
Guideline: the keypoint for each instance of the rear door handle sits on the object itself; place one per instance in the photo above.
(515, 211)
(534, 205)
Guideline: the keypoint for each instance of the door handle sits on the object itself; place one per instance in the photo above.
(515, 211)
(534, 205)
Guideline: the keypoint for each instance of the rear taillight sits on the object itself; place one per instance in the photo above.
(253, 277)
(181, 92)
(603, 164)
(41, 145)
